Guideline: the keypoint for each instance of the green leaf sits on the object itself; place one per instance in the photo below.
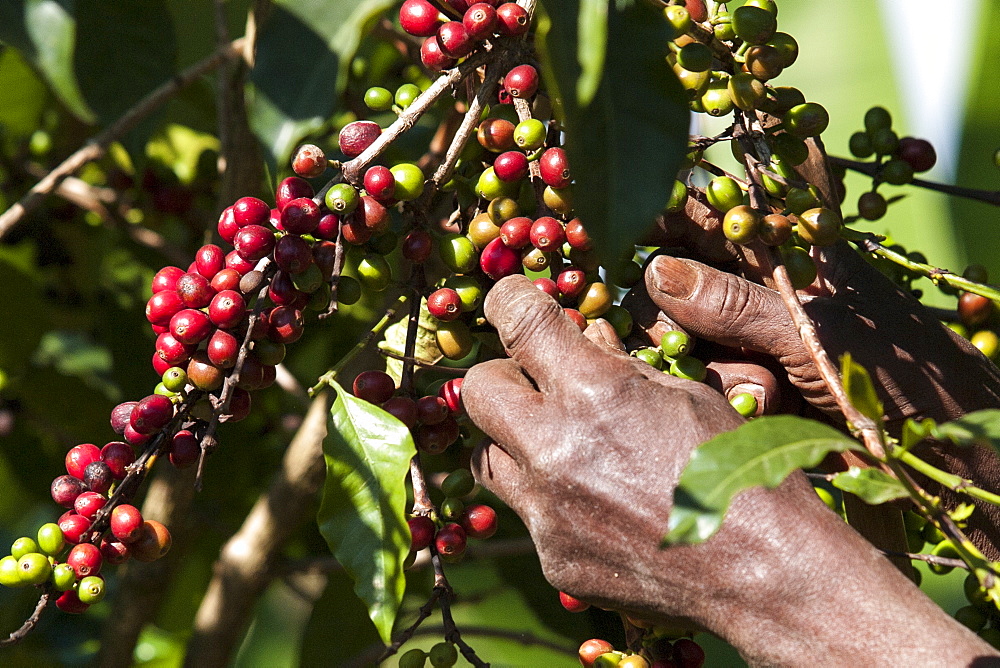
(24, 96)
(295, 89)
(625, 141)
(871, 485)
(859, 388)
(45, 33)
(761, 452)
(977, 428)
(362, 514)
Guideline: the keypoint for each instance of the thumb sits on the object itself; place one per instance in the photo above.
(725, 308)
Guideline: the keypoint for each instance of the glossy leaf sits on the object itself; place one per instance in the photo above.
(762, 452)
(871, 485)
(362, 514)
(590, 50)
(45, 33)
(977, 428)
(625, 143)
(295, 89)
(859, 388)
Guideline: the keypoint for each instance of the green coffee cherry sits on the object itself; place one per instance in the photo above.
(620, 319)
(877, 118)
(786, 46)
(63, 578)
(753, 24)
(650, 356)
(459, 483)
(34, 568)
(695, 57)
(454, 339)
(443, 655)
(807, 120)
(490, 186)
(971, 618)
(943, 549)
(801, 268)
(827, 498)
(10, 576)
(406, 94)
(798, 200)
(451, 509)
(676, 344)
(932, 534)
(678, 197)
(348, 290)
(860, 145)
(374, 272)
(91, 589)
(174, 379)
(343, 198)
(897, 172)
(690, 368)
(724, 193)
(378, 98)
(529, 135)
(987, 342)
(458, 253)
(745, 404)
(745, 91)
(23, 546)
(884, 141)
(716, 101)
(50, 539)
(976, 595)
(409, 181)
(415, 658)
(678, 18)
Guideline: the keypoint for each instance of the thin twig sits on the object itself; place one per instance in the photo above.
(96, 147)
(872, 169)
(458, 371)
(928, 558)
(30, 622)
(425, 611)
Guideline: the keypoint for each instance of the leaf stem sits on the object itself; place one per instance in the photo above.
(953, 482)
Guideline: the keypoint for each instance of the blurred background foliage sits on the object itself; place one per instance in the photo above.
(75, 274)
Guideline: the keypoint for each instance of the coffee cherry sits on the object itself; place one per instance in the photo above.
(529, 134)
(403, 409)
(431, 409)
(374, 272)
(417, 246)
(62, 578)
(10, 575)
(113, 552)
(70, 603)
(675, 344)
(357, 136)
(459, 483)
(450, 540)
(374, 386)
(254, 242)
(511, 166)
(421, 532)
(724, 193)
(634, 660)
(521, 81)
(482, 230)
(289, 189)
(740, 224)
(443, 655)
(591, 649)
(897, 172)
(764, 62)
(877, 118)
(409, 181)
(86, 559)
(807, 120)
(151, 413)
(454, 339)
(650, 356)
(571, 281)
(973, 309)
(419, 18)
(285, 325)
(498, 260)
(301, 216)
(516, 232)
(479, 521)
(745, 404)
(162, 306)
(191, 326)
(153, 542)
(184, 449)
(33, 568)
(414, 658)
(435, 438)
(65, 489)
(97, 477)
(754, 25)
(88, 503)
(126, 523)
(241, 265)
(444, 304)
(801, 268)
(91, 589)
(454, 39)
(919, 153)
(480, 20)
(23, 546)
(572, 604)
(309, 161)
(577, 318)
(775, 229)
(203, 374)
(594, 300)
(50, 539)
(79, 457)
(512, 19)
(819, 226)
(871, 205)
(689, 368)
(547, 234)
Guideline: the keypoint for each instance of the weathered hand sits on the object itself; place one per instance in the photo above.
(588, 449)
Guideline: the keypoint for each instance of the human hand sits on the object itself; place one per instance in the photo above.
(588, 447)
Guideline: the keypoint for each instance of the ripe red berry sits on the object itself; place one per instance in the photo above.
(547, 234)
(450, 540)
(166, 278)
(309, 161)
(419, 18)
(516, 232)
(73, 526)
(228, 227)
(290, 188)
(435, 438)
(194, 290)
(228, 307)
(162, 306)
(375, 215)
(132, 437)
(203, 374)
(919, 153)
(496, 134)
(126, 522)
(209, 260)
(577, 236)
(593, 648)
(417, 246)
(70, 603)
(973, 309)
(444, 304)
(571, 281)
(576, 317)
(511, 166)
(223, 349)
(688, 653)
(240, 265)
(379, 182)
(300, 216)
(88, 503)
(434, 57)
(254, 242)
(431, 410)
(153, 542)
(421, 532)
(522, 81)
(151, 413)
(454, 39)
(251, 211)
(480, 20)
(451, 392)
(374, 386)
(114, 552)
(498, 260)
(571, 603)
(65, 489)
(285, 325)
(512, 19)
(79, 457)
(328, 226)
(554, 168)
(226, 279)
(86, 559)
(184, 449)
(171, 351)
(191, 326)
(118, 456)
(356, 136)
(355, 231)
(479, 521)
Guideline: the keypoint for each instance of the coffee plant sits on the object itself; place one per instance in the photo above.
(417, 153)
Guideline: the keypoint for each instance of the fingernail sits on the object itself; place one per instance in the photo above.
(673, 277)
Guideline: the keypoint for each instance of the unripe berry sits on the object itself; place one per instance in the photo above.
(819, 226)
(50, 539)
(91, 589)
(34, 568)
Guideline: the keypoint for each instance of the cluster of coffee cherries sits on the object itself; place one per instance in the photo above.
(432, 421)
(978, 319)
(453, 36)
(441, 655)
(662, 652)
(896, 158)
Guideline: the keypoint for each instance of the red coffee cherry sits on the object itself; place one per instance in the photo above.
(572, 604)
(547, 234)
(300, 216)
(228, 307)
(70, 603)
(171, 351)
(73, 526)
(375, 387)
(114, 552)
(435, 438)
(516, 232)
(153, 542)
(577, 236)
(451, 392)
(432, 410)
(88, 503)
(293, 253)
(496, 134)
(184, 449)
(290, 188)
(554, 168)
(403, 409)
(593, 648)
(223, 349)
(419, 18)
(79, 457)
(480, 20)
(97, 477)
(973, 309)
(434, 57)
(688, 653)
(227, 226)
(328, 226)
(522, 81)
(919, 153)
(548, 286)
(118, 456)
(285, 325)
(191, 326)
(571, 281)
(512, 19)
(421, 532)
(86, 559)
(454, 39)
(282, 291)
(126, 523)
(194, 290)
(254, 242)
(65, 489)
(356, 136)
(576, 317)
(162, 306)
(450, 540)
(166, 279)
(444, 304)
(251, 211)
(498, 260)
(237, 263)
(511, 166)
(379, 182)
(479, 521)
(417, 246)
(309, 161)
(151, 413)
(209, 261)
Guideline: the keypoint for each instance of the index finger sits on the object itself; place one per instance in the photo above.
(540, 337)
